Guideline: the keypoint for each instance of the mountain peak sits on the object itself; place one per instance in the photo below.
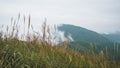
(80, 34)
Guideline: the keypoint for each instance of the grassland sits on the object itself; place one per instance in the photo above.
(41, 52)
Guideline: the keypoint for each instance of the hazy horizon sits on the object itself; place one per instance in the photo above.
(101, 16)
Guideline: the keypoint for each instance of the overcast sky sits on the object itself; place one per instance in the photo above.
(102, 16)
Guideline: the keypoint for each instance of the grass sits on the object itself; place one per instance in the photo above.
(41, 52)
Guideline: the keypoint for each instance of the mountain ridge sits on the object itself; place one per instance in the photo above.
(115, 37)
(84, 37)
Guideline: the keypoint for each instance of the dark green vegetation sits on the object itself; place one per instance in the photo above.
(83, 35)
(36, 52)
(84, 38)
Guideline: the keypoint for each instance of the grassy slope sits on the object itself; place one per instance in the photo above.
(18, 54)
(39, 54)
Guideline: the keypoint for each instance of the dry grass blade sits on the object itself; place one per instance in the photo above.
(29, 19)
(44, 30)
(24, 23)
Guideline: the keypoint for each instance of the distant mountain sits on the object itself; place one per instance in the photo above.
(115, 37)
(83, 37)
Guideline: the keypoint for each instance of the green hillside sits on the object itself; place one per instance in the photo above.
(85, 37)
